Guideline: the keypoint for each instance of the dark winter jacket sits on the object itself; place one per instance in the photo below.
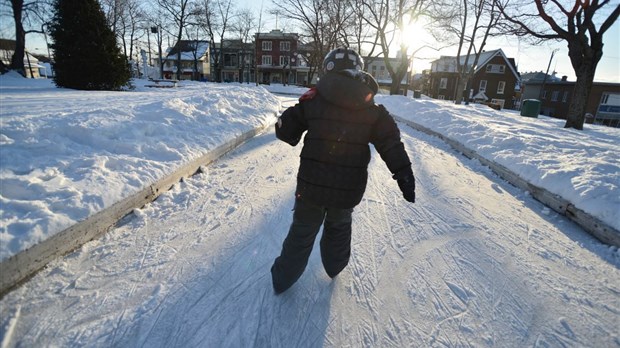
(341, 119)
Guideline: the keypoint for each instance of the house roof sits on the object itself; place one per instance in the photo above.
(233, 45)
(568, 83)
(277, 34)
(187, 48)
(6, 44)
(485, 57)
(481, 96)
(7, 47)
(537, 76)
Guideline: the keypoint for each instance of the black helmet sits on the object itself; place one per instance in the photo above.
(342, 59)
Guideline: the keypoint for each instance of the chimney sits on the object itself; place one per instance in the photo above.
(564, 78)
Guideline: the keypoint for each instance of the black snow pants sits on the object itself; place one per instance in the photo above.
(335, 243)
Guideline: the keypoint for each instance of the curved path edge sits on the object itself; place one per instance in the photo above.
(591, 224)
(22, 266)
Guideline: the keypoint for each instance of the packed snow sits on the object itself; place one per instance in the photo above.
(474, 262)
(68, 154)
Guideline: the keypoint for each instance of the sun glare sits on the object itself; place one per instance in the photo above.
(416, 36)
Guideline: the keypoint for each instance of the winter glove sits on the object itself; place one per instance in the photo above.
(406, 183)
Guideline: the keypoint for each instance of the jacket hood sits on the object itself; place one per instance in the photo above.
(348, 88)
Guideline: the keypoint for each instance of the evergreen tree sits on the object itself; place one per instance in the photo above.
(86, 55)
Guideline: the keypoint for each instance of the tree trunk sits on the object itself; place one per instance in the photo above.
(460, 87)
(17, 61)
(581, 93)
(159, 51)
(398, 74)
(179, 69)
(584, 60)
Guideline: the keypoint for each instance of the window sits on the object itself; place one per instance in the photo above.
(266, 60)
(283, 60)
(285, 46)
(483, 86)
(230, 59)
(555, 95)
(500, 87)
(441, 97)
(565, 97)
(605, 98)
(496, 68)
(446, 67)
(443, 84)
(266, 45)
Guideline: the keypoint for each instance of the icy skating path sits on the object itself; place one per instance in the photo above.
(475, 262)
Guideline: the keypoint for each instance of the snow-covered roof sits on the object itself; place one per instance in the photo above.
(190, 50)
(5, 56)
(481, 96)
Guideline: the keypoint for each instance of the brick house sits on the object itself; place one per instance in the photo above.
(602, 107)
(495, 79)
(238, 59)
(277, 57)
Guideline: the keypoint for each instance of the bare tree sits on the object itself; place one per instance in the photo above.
(215, 16)
(157, 22)
(390, 19)
(574, 22)
(469, 23)
(361, 35)
(225, 12)
(243, 23)
(196, 46)
(130, 22)
(113, 10)
(208, 21)
(26, 15)
(322, 24)
(180, 12)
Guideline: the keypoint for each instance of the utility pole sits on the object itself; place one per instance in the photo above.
(542, 87)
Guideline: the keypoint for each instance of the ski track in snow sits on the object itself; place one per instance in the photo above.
(474, 263)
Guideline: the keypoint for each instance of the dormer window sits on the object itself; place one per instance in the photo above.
(495, 68)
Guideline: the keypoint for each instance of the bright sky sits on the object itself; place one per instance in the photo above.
(529, 58)
(533, 58)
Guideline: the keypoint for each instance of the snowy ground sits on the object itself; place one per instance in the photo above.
(475, 262)
(68, 154)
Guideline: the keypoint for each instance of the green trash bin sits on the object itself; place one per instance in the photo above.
(530, 108)
(417, 94)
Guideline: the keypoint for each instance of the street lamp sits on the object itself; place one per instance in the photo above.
(240, 65)
(291, 65)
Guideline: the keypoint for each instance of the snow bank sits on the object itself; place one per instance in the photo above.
(583, 167)
(68, 154)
